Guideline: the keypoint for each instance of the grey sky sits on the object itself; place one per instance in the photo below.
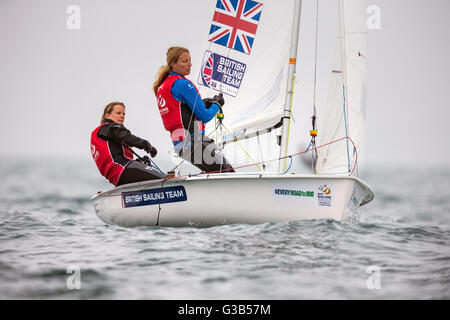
(54, 82)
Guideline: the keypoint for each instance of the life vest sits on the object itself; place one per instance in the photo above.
(110, 157)
(176, 116)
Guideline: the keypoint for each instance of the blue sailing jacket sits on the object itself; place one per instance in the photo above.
(185, 91)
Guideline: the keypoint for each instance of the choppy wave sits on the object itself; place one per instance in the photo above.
(48, 226)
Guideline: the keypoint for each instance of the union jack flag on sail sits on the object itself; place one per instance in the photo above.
(234, 24)
(208, 70)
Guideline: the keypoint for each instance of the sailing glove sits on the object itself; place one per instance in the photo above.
(152, 151)
(144, 144)
(219, 100)
(208, 102)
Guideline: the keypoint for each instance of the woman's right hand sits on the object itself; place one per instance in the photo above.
(219, 100)
(208, 102)
(151, 150)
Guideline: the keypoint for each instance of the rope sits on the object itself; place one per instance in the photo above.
(289, 166)
(154, 164)
(343, 48)
(159, 203)
(292, 155)
(235, 140)
(215, 130)
(260, 152)
(346, 132)
(140, 158)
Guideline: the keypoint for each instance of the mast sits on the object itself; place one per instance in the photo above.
(289, 87)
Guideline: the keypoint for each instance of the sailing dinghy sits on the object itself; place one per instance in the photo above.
(250, 56)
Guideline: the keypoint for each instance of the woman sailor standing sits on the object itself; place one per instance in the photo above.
(184, 113)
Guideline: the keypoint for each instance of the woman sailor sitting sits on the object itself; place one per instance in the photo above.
(110, 144)
(184, 113)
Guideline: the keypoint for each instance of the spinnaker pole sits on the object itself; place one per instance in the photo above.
(290, 87)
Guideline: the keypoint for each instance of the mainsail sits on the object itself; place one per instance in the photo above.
(246, 57)
(344, 113)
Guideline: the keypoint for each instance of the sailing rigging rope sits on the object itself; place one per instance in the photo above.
(150, 161)
(312, 160)
(189, 126)
(154, 164)
(292, 155)
(289, 167)
(179, 165)
(248, 155)
(215, 130)
(159, 203)
(346, 132)
(260, 151)
(342, 33)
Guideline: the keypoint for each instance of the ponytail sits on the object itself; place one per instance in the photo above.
(163, 73)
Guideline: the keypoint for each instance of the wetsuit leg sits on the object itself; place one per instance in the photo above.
(136, 171)
(214, 161)
(204, 155)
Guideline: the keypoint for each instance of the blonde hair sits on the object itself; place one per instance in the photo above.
(173, 53)
(108, 109)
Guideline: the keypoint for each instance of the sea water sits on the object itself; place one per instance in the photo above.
(53, 246)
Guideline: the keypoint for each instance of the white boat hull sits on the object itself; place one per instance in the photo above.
(211, 200)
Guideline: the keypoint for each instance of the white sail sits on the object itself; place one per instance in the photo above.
(344, 113)
(254, 81)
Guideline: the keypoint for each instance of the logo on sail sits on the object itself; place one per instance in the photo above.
(235, 23)
(221, 73)
(324, 196)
